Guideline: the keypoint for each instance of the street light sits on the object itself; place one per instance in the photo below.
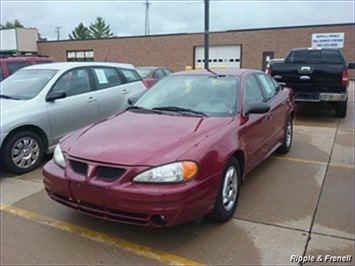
(207, 26)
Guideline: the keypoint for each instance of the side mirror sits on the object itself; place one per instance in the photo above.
(351, 66)
(55, 95)
(257, 108)
(132, 100)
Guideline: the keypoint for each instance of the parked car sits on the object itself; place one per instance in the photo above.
(180, 152)
(41, 104)
(317, 75)
(152, 75)
(10, 64)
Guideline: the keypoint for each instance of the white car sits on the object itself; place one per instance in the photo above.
(40, 104)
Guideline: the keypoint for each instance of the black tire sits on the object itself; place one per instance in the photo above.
(340, 109)
(287, 143)
(32, 158)
(220, 212)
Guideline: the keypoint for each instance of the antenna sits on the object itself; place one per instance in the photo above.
(57, 30)
(147, 4)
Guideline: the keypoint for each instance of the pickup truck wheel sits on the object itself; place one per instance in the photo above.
(287, 142)
(340, 109)
(23, 152)
(228, 193)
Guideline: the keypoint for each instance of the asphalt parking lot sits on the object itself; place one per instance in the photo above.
(299, 204)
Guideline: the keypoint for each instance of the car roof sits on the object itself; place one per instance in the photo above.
(70, 65)
(220, 71)
(25, 58)
(149, 67)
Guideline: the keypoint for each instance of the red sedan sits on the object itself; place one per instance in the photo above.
(179, 152)
(152, 75)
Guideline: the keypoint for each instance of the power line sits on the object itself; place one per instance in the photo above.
(147, 5)
(57, 30)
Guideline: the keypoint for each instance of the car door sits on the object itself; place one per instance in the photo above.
(134, 82)
(271, 91)
(112, 90)
(256, 131)
(78, 109)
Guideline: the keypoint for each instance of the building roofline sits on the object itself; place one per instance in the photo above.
(212, 32)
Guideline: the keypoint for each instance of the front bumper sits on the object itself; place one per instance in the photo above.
(126, 202)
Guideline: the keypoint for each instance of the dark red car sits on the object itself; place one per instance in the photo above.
(152, 75)
(180, 152)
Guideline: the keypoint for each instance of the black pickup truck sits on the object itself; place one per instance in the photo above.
(315, 75)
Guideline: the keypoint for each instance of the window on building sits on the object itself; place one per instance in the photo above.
(80, 56)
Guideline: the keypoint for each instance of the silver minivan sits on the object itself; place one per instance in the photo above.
(40, 104)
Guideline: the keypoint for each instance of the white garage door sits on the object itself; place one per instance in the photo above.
(220, 56)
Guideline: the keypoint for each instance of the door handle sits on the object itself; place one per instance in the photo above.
(91, 99)
(125, 91)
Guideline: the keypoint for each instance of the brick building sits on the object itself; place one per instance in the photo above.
(176, 51)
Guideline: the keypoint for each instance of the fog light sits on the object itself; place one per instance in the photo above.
(158, 220)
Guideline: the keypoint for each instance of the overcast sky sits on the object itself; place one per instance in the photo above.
(127, 18)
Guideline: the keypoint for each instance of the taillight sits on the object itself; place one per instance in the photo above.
(146, 84)
(344, 78)
(268, 70)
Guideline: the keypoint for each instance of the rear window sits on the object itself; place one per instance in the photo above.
(14, 66)
(315, 57)
(131, 75)
(43, 61)
(144, 72)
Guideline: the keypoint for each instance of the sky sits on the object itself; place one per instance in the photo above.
(127, 18)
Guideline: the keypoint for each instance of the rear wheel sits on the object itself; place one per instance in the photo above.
(23, 152)
(340, 109)
(286, 144)
(228, 193)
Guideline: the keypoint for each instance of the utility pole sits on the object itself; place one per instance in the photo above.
(147, 4)
(207, 29)
(57, 30)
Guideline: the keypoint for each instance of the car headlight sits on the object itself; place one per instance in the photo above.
(170, 173)
(58, 157)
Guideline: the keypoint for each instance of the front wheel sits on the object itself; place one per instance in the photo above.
(228, 193)
(287, 142)
(23, 152)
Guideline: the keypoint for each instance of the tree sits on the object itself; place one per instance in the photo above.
(11, 25)
(99, 29)
(81, 32)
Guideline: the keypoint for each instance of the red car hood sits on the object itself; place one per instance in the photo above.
(140, 138)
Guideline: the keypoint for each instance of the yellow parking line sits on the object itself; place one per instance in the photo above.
(299, 160)
(158, 255)
(333, 164)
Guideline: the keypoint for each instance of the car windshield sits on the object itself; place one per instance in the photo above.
(193, 95)
(26, 84)
(144, 72)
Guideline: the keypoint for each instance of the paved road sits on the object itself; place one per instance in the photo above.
(298, 204)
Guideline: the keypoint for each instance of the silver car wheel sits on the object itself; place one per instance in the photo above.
(230, 188)
(25, 152)
(289, 133)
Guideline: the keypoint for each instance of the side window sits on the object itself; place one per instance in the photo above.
(159, 74)
(269, 88)
(252, 92)
(14, 66)
(167, 71)
(131, 75)
(74, 82)
(106, 77)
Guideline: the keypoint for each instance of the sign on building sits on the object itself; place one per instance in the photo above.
(328, 40)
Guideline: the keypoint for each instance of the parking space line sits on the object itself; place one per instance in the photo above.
(299, 160)
(333, 164)
(138, 249)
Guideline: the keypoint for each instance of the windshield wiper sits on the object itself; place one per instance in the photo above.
(143, 109)
(179, 110)
(8, 97)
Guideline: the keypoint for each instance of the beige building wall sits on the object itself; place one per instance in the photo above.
(177, 51)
